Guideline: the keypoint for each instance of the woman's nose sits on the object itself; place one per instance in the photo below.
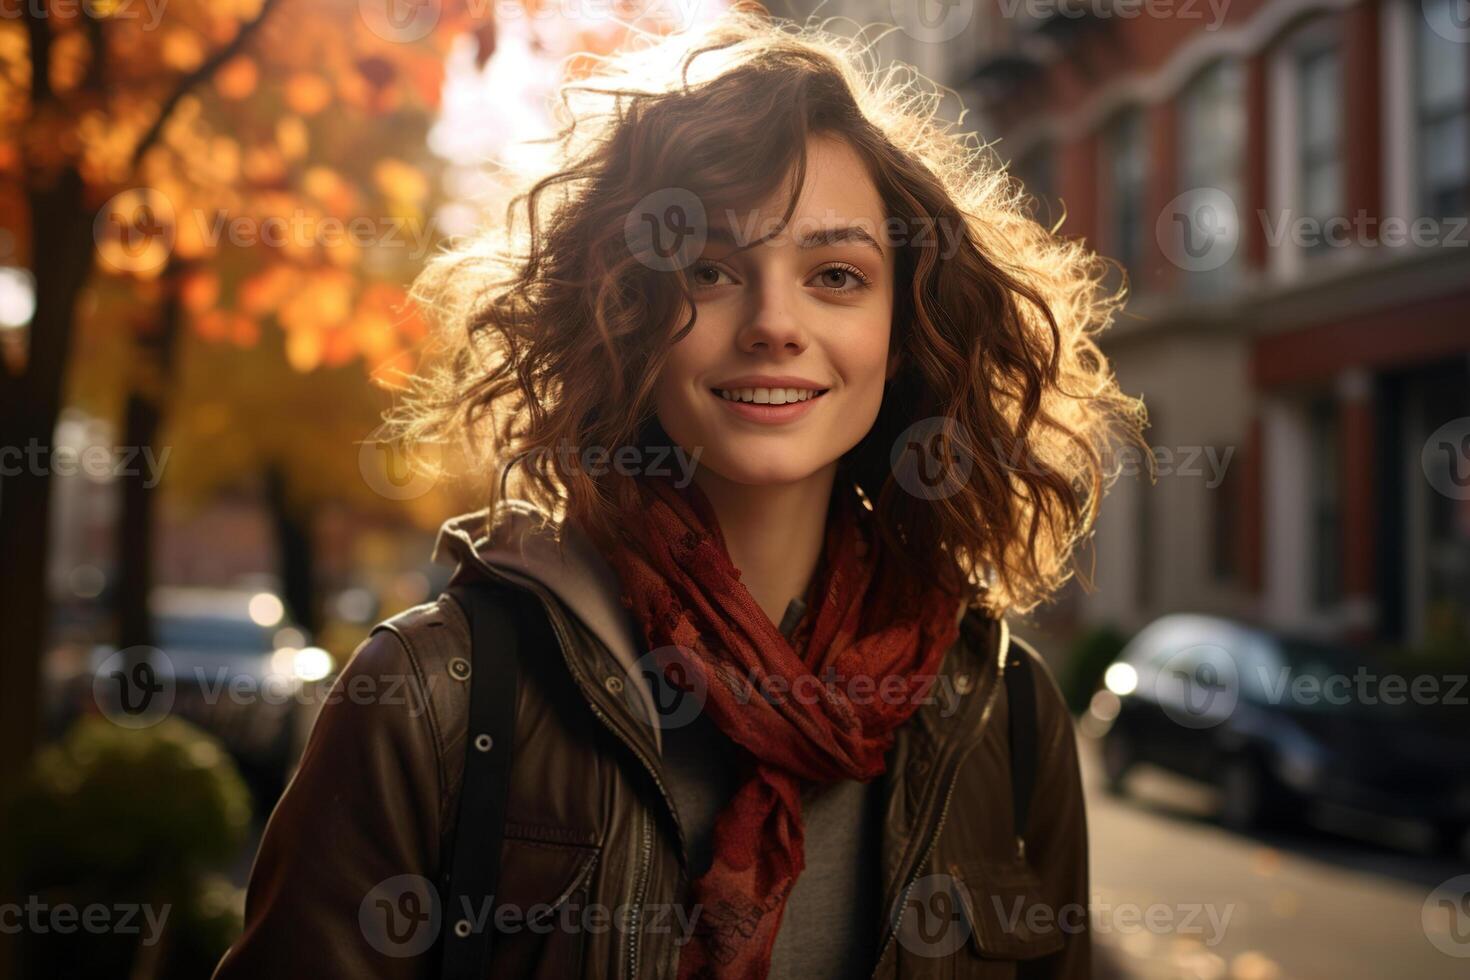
(771, 325)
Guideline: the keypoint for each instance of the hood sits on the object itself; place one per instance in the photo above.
(524, 548)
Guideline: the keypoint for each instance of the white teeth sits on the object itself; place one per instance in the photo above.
(767, 396)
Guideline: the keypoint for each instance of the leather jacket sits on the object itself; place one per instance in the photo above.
(593, 866)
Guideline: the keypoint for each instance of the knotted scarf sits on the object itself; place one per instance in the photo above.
(820, 707)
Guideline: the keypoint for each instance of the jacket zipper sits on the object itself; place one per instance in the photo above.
(951, 780)
(639, 893)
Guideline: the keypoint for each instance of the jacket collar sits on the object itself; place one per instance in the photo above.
(524, 547)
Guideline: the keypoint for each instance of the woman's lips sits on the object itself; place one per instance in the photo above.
(770, 414)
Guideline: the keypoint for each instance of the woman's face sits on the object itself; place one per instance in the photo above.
(807, 311)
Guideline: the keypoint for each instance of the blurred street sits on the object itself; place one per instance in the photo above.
(1306, 905)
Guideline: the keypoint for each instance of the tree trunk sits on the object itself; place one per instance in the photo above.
(62, 246)
(142, 420)
(295, 552)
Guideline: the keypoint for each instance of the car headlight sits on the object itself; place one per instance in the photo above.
(312, 663)
(305, 664)
(1121, 679)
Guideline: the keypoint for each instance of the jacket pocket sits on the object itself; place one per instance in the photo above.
(539, 916)
(1008, 915)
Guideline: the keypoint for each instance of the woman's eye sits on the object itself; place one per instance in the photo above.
(705, 269)
(837, 278)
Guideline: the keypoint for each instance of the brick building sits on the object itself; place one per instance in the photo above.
(1286, 183)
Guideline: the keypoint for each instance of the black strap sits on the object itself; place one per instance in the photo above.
(489, 748)
(1021, 705)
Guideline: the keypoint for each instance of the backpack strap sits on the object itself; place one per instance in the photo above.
(1021, 709)
(472, 876)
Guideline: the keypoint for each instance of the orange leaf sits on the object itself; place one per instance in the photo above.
(292, 137)
(340, 348)
(264, 166)
(237, 77)
(428, 80)
(199, 291)
(263, 293)
(182, 49)
(244, 332)
(307, 93)
(401, 181)
(212, 325)
(304, 349)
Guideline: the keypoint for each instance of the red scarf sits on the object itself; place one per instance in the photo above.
(865, 620)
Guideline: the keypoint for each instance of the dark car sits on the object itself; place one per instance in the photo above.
(1285, 726)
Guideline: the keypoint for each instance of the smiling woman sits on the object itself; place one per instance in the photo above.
(742, 217)
(721, 691)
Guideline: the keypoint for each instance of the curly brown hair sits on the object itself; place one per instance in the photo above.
(554, 335)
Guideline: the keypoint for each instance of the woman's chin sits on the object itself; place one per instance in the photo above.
(765, 469)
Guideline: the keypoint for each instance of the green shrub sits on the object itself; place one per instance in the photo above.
(114, 816)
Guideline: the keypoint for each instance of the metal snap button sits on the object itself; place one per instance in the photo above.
(459, 668)
(964, 683)
(483, 742)
(462, 928)
(614, 684)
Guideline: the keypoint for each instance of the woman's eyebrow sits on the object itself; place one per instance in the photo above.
(819, 238)
(855, 234)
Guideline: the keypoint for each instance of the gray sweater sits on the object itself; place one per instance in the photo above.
(830, 925)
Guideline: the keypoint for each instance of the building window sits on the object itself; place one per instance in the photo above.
(1326, 507)
(1442, 114)
(1319, 153)
(1211, 152)
(1127, 189)
(1225, 523)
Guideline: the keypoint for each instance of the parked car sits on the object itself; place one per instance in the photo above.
(226, 660)
(1284, 726)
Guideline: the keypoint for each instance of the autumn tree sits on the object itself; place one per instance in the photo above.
(105, 98)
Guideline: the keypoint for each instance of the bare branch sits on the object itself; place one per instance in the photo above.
(198, 76)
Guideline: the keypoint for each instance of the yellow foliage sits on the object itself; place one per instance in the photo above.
(237, 78)
(307, 93)
(199, 291)
(292, 137)
(182, 49)
(264, 165)
(262, 293)
(304, 350)
(401, 181)
(70, 54)
(325, 301)
(224, 159)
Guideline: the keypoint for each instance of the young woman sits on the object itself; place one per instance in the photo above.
(802, 403)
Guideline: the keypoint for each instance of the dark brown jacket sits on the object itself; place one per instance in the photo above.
(593, 864)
